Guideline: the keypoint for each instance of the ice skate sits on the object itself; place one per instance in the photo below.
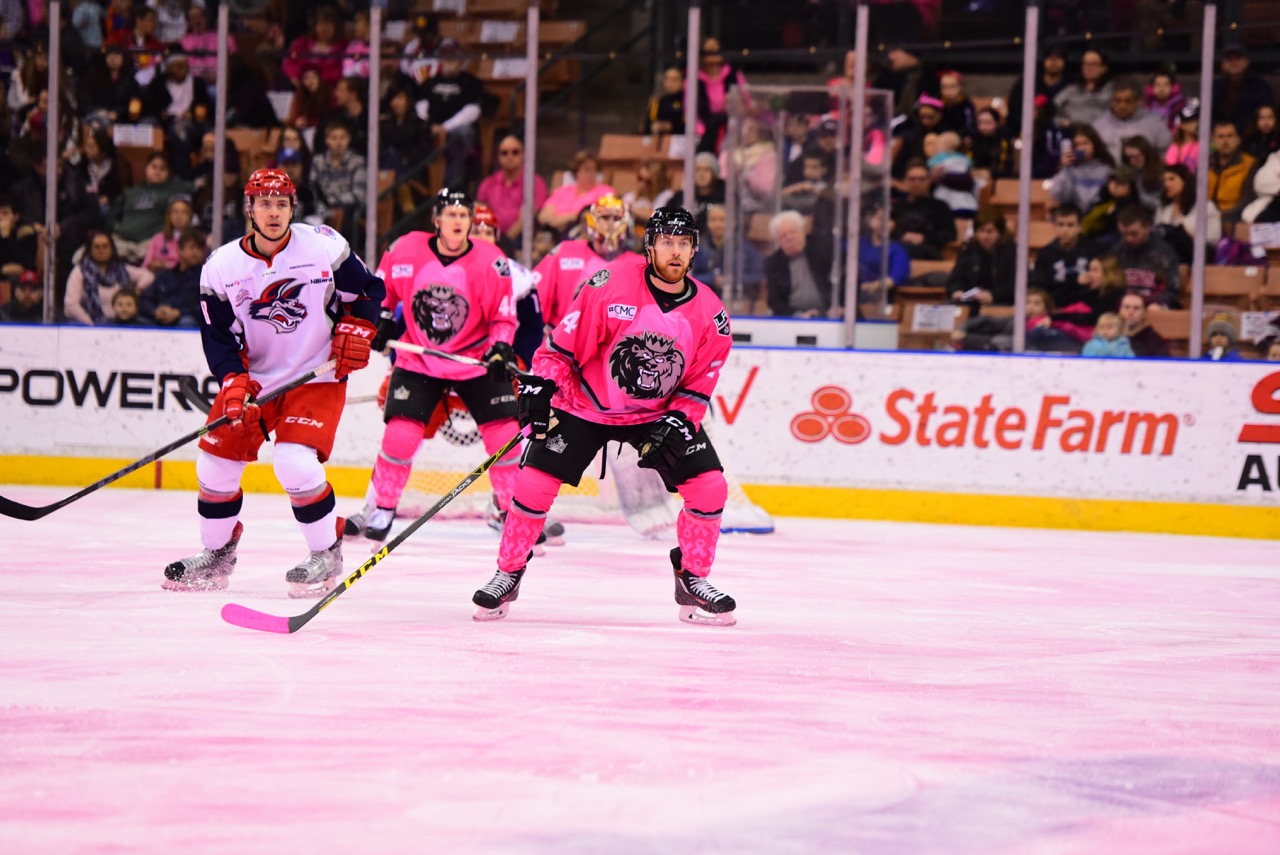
(496, 519)
(494, 599)
(699, 600)
(317, 574)
(554, 532)
(357, 522)
(207, 570)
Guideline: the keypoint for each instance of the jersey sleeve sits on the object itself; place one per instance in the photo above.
(220, 330)
(544, 277)
(359, 290)
(581, 332)
(502, 319)
(386, 266)
(693, 396)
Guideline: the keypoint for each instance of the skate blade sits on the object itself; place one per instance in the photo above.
(482, 614)
(695, 615)
(215, 583)
(314, 591)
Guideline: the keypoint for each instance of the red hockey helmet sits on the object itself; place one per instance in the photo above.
(485, 216)
(269, 182)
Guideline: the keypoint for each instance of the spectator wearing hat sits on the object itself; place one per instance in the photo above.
(322, 49)
(1051, 80)
(708, 187)
(924, 225)
(453, 99)
(18, 241)
(180, 104)
(1220, 341)
(26, 305)
(1085, 101)
(1185, 147)
(420, 61)
(141, 43)
(910, 135)
(1126, 117)
(1238, 91)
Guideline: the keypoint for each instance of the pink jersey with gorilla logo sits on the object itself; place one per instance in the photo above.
(619, 359)
(461, 307)
(561, 273)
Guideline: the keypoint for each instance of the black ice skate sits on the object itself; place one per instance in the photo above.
(699, 600)
(207, 570)
(317, 574)
(492, 601)
(371, 521)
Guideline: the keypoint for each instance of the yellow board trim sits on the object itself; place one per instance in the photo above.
(828, 502)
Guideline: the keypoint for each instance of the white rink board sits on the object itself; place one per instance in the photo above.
(1172, 429)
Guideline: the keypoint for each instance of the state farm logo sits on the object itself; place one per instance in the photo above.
(831, 417)
(1255, 472)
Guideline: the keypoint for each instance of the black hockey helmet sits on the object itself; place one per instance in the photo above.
(447, 198)
(670, 221)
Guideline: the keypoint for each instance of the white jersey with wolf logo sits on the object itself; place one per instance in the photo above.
(275, 316)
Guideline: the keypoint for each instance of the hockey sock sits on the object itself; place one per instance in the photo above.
(220, 498)
(400, 441)
(502, 475)
(697, 531)
(534, 494)
(318, 518)
(300, 472)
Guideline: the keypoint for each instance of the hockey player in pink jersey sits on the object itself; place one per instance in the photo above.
(457, 298)
(635, 360)
(562, 271)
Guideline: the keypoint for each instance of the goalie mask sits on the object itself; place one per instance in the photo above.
(608, 223)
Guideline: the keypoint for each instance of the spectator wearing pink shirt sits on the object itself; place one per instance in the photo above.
(503, 191)
(201, 44)
(715, 79)
(565, 203)
(322, 49)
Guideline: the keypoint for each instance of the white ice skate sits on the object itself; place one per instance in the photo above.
(205, 571)
(700, 602)
(317, 574)
(494, 599)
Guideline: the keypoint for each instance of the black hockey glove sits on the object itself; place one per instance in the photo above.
(666, 443)
(533, 404)
(498, 357)
(387, 330)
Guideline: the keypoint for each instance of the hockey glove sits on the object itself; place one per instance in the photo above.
(352, 343)
(236, 391)
(387, 330)
(666, 443)
(533, 404)
(498, 357)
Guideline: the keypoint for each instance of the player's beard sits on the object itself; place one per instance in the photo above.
(673, 271)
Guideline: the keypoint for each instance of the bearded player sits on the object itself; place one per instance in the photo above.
(635, 359)
(562, 272)
(275, 304)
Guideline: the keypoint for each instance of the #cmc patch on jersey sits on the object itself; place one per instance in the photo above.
(500, 264)
(401, 271)
(601, 277)
(572, 263)
(722, 322)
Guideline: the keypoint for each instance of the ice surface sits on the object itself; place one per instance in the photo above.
(889, 688)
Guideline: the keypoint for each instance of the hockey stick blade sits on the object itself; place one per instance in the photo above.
(18, 510)
(248, 618)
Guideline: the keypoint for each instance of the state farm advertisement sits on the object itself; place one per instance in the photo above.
(1069, 427)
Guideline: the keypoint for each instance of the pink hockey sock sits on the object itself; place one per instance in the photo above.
(698, 530)
(535, 492)
(400, 441)
(502, 475)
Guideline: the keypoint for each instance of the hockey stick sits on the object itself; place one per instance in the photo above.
(254, 619)
(409, 347)
(17, 510)
(197, 399)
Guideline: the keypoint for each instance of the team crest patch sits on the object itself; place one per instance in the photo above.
(571, 263)
(279, 305)
(400, 393)
(500, 264)
(326, 231)
(401, 271)
(646, 366)
(722, 322)
(601, 277)
(440, 312)
(556, 444)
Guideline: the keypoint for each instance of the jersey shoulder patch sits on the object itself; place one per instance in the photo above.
(722, 322)
(501, 265)
(598, 280)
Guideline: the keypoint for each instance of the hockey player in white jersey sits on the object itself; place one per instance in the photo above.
(279, 302)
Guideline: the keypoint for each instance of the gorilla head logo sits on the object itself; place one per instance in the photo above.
(439, 312)
(646, 366)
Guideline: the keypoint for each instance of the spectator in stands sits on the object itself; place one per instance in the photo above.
(180, 105)
(1238, 92)
(1084, 102)
(291, 140)
(1108, 338)
(29, 79)
(1100, 223)
(201, 44)
(35, 124)
(142, 45)
(118, 17)
(1220, 340)
(1266, 186)
(665, 114)
(310, 209)
(1051, 80)
(1048, 142)
(355, 62)
(653, 190)
(1102, 285)
(755, 161)
(708, 186)
(561, 209)
(405, 138)
(1177, 214)
(804, 194)
(18, 241)
(76, 213)
(1150, 265)
(420, 62)
(102, 172)
(1185, 148)
(1060, 265)
(339, 177)
(910, 135)
(312, 101)
(985, 270)
(952, 175)
(232, 184)
(96, 279)
(453, 97)
(162, 251)
(248, 105)
(713, 264)
(322, 49)
(798, 273)
(173, 300)
(503, 190)
(923, 224)
(86, 17)
(1126, 118)
(1163, 97)
(716, 79)
(1139, 155)
(139, 212)
(1230, 173)
(1262, 138)
(883, 264)
(990, 149)
(392, 78)
(1086, 166)
(1270, 349)
(906, 78)
(124, 309)
(795, 141)
(958, 113)
(348, 105)
(1143, 338)
(171, 20)
(26, 306)
(108, 92)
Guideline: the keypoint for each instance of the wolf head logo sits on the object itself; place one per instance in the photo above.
(279, 305)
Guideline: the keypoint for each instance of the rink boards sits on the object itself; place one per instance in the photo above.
(1191, 447)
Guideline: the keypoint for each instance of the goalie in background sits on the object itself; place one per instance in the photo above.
(635, 359)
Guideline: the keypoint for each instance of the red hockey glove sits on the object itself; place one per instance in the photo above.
(236, 391)
(352, 343)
